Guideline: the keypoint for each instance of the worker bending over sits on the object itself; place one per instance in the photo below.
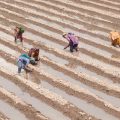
(73, 41)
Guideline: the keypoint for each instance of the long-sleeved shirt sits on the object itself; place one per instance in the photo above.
(24, 60)
(72, 38)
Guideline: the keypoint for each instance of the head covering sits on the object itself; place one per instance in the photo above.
(114, 35)
(64, 34)
(71, 38)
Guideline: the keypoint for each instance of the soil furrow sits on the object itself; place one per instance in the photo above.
(3, 117)
(116, 1)
(90, 19)
(96, 5)
(106, 4)
(84, 78)
(94, 43)
(64, 85)
(48, 97)
(86, 24)
(40, 76)
(95, 68)
(20, 105)
(40, 46)
(85, 17)
(91, 12)
(53, 99)
(53, 79)
(96, 56)
(85, 28)
(39, 105)
(109, 3)
(83, 3)
(71, 89)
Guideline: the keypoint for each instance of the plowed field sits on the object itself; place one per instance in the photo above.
(83, 85)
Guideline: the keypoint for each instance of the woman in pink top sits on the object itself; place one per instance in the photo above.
(73, 41)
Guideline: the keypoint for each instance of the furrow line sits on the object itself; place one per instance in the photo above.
(49, 97)
(87, 10)
(89, 53)
(81, 23)
(70, 89)
(90, 81)
(31, 113)
(116, 79)
(95, 44)
(3, 117)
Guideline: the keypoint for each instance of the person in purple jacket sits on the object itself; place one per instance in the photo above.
(73, 41)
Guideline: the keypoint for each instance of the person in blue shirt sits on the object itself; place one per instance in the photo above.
(23, 62)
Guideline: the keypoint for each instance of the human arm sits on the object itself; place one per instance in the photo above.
(67, 46)
(29, 68)
(16, 30)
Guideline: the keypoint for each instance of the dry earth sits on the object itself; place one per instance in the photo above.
(83, 85)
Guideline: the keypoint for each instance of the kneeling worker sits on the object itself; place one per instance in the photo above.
(24, 63)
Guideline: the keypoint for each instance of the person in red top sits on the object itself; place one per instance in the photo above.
(18, 35)
(34, 52)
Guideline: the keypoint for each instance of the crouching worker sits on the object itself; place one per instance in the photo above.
(24, 63)
(115, 38)
(18, 32)
(73, 41)
(34, 55)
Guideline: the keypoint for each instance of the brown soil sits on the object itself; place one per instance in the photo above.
(44, 23)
